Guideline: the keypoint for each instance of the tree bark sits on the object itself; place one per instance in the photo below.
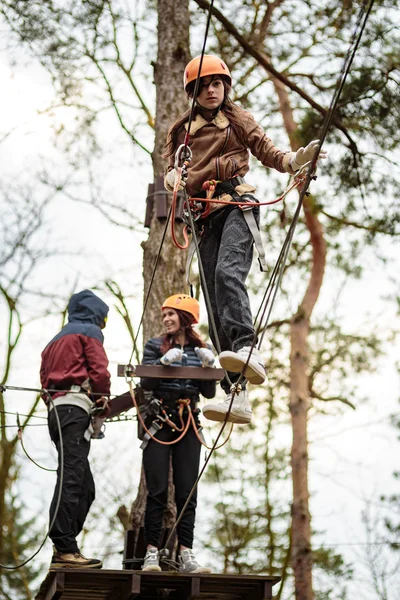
(299, 382)
(299, 405)
(173, 55)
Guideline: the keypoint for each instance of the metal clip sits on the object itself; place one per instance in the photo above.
(182, 154)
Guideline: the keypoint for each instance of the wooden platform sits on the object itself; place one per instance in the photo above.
(160, 372)
(91, 584)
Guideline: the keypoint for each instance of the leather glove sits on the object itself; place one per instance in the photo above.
(169, 179)
(174, 355)
(304, 155)
(206, 356)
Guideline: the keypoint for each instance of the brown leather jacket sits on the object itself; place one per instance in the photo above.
(218, 153)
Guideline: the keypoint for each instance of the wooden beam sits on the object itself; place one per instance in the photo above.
(160, 372)
(194, 593)
(131, 588)
(56, 587)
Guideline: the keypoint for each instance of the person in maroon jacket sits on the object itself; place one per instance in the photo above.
(74, 378)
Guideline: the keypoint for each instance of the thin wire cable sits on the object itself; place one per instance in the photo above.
(20, 437)
(354, 43)
(151, 283)
(197, 84)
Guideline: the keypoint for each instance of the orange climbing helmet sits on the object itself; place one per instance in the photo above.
(185, 303)
(211, 65)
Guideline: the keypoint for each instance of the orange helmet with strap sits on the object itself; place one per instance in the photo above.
(211, 65)
(185, 303)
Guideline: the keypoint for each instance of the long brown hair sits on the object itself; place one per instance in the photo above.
(186, 325)
(231, 110)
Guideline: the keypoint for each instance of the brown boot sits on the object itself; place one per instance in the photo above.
(73, 560)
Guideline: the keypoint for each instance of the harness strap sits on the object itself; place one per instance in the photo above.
(154, 427)
(255, 232)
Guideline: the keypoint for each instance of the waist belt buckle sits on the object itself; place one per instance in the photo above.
(245, 206)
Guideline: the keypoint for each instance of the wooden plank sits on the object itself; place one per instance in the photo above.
(160, 372)
(131, 589)
(56, 587)
(194, 593)
(120, 404)
(93, 584)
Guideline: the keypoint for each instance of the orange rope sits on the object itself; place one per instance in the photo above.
(145, 428)
(209, 193)
(203, 442)
(298, 181)
(191, 419)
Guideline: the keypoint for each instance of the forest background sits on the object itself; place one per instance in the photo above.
(79, 118)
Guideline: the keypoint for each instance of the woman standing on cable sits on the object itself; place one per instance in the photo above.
(220, 138)
(180, 345)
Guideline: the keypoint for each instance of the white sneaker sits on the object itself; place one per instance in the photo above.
(240, 410)
(235, 361)
(188, 563)
(151, 560)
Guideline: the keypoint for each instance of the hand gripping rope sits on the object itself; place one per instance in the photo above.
(195, 205)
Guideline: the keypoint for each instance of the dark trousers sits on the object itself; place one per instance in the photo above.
(185, 465)
(226, 251)
(78, 491)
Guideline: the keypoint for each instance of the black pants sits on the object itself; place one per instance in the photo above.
(185, 464)
(226, 251)
(78, 491)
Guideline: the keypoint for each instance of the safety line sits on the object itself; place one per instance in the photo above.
(278, 269)
(61, 481)
(20, 437)
(287, 243)
(151, 283)
(197, 84)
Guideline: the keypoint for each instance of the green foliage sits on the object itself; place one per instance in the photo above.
(21, 540)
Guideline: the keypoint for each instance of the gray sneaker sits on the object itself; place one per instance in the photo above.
(151, 560)
(188, 563)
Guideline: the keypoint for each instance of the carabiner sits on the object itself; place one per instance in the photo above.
(182, 154)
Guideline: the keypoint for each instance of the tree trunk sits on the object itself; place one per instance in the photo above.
(299, 405)
(299, 384)
(173, 55)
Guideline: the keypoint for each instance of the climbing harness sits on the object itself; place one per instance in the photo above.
(162, 418)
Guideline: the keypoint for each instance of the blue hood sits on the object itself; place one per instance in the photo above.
(87, 307)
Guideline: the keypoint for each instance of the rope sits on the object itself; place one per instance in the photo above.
(24, 449)
(184, 429)
(281, 261)
(61, 480)
(151, 284)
